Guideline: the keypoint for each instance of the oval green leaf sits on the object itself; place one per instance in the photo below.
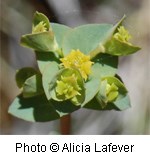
(119, 91)
(39, 109)
(118, 105)
(104, 65)
(45, 58)
(50, 71)
(23, 74)
(118, 48)
(43, 41)
(85, 38)
(91, 89)
(33, 86)
(60, 31)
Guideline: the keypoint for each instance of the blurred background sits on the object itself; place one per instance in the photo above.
(16, 18)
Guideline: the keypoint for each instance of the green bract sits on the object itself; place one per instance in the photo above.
(68, 84)
(111, 90)
(77, 68)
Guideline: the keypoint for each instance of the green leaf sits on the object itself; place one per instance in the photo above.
(91, 89)
(43, 41)
(101, 96)
(35, 109)
(121, 87)
(39, 17)
(89, 39)
(95, 105)
(67, 72)
(123, 103)
(114, 46)
(85, 38)
(33, 86)
(114, 92)
(64, 107)
(23, 74)
(119, 105)
(49, 73)
(60, 31)
(101, 46)
(39, 109)
(42, 38)
(104, 65)
(114, 29)
(45, 58)
(118, 48)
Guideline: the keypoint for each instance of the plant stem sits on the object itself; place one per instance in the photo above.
(65, 124)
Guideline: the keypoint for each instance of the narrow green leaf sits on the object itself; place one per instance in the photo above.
(33, 86)
(23, 74)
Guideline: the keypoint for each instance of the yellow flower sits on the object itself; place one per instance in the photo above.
(111, 92)
(67, 87)
(122, 35)
(76, 59)
(41, 27)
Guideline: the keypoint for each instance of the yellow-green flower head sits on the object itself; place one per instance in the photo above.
(76, 59)
(41, 27)
(122, 35)
(111, 92)
(67, 87)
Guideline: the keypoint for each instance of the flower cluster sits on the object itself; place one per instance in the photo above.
(122, 35)
(111, 92)
(77, 68)
(68, 87)
(76, 59)
(41, 27)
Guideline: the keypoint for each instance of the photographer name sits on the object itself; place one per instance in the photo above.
(73, 147)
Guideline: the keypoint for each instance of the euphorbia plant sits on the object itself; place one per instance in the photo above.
(77, 69)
